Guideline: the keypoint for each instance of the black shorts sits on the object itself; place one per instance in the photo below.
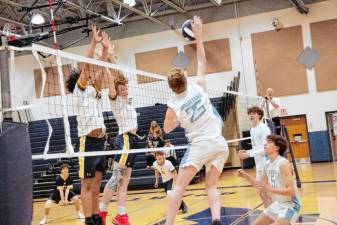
(168, 185)
(92, 164)
(55, 196)
(124, 142)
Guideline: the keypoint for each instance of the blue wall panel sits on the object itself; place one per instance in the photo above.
(319, 146)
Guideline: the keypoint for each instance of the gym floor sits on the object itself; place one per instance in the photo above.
(239, 200)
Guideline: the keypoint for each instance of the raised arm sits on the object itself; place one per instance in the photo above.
(85, 73)
(107, 76)
(201, 56)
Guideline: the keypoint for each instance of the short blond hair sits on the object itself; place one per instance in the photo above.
(177, 80)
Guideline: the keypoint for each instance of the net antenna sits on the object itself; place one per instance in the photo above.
(9, 30)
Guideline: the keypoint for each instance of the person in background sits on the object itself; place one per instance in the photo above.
(272, 109)
(171, 153)
(154, 141)
(62, 194)
(168, 174)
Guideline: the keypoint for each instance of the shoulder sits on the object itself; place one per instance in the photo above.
(167, 162)
(155, 164)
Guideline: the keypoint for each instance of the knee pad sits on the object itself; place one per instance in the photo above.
(48, 204)
(115, 179)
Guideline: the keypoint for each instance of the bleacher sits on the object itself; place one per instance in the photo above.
(45, 171)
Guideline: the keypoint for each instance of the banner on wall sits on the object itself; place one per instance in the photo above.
(334, 121)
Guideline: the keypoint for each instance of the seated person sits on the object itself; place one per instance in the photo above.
(62, 194)
(171, 153)
(154, 141)
(155, 128)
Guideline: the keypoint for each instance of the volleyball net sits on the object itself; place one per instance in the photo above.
(41, 97)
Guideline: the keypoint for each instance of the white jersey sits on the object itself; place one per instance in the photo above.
(89, 109)
(272, 170)
(124, 113)
(258, 136)
(196, 114)
(166, 170)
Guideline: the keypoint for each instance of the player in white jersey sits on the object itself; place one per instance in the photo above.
(127, 138)
(279, 182)
(258, 133)
(168, 174)
(190, 107)
(85, 86)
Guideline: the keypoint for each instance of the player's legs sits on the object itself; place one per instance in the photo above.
(168, 187)
(123, 187)
(175, 196)
(96, 191)
(281, 221)
(47, 206)
(263, 219)
(211, 184)
(77, 203)
(86, 196)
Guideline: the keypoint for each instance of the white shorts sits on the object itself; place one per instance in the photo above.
(208, 152)
(279, 210)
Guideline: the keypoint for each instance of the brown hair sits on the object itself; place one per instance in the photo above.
(64, 166)
(158, 153)
(280, 142)
(177, 80)
(255, 109)
(120, 80)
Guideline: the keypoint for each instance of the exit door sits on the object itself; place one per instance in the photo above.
(298, 135)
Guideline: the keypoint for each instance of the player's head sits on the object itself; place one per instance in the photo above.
(159, 155)
(154, 123)
(64, 168)
(275, 143)
(270, 92)
(255, 113)
(72, 80)
(121, 86)
(156, 134)
(177, 80)
(167, 142)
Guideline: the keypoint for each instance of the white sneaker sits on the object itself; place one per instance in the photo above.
(80, 216)
(43, 221)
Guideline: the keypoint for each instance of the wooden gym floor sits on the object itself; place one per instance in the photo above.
(318, 195)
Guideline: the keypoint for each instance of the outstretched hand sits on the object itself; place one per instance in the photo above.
(197, 26)
(96, 38)
(106, 41)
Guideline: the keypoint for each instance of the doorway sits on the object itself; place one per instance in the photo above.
(331, 120)
(298, 135)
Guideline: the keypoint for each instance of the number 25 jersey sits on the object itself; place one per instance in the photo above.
(196, 114)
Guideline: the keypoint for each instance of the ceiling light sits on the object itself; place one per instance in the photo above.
(37, 19)
(130, 2)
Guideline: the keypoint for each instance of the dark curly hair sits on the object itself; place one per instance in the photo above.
(72, 80)
(280, 142)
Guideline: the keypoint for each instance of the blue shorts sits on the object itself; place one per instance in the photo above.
(126, 142)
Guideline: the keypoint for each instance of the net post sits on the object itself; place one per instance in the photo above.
(5, 84)
(69, 147)
(285, 134)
